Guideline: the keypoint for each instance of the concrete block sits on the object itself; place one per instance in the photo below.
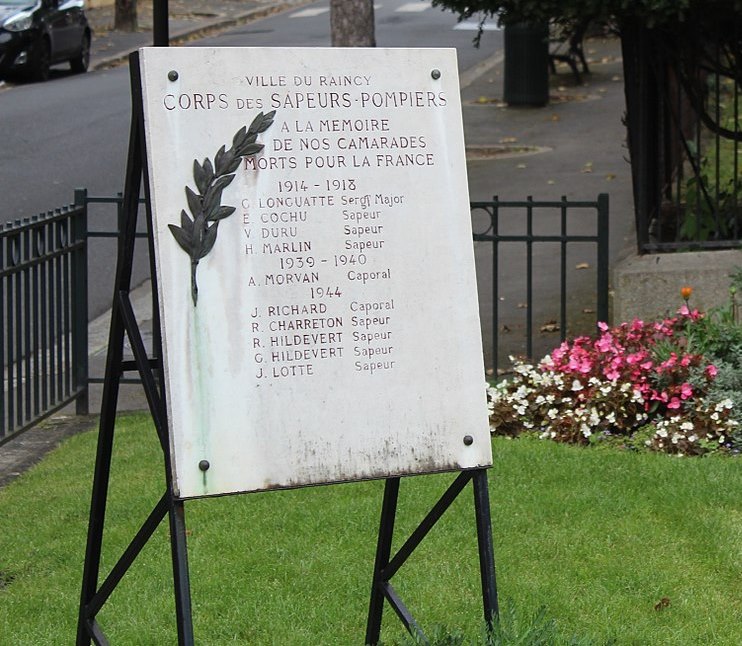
(648, 287)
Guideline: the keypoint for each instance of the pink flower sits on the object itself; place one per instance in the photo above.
(686, 391)
(711, 371)
(673, 403)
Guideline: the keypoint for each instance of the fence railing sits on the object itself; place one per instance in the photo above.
(541, 259)
(43, 316)
(526, 254)
(685, 135)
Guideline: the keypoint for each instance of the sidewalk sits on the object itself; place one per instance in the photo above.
(188, 20)
(579, 137)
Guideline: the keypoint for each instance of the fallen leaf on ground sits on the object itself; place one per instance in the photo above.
(508, 140)
(662, 604)
(610, 176)
(582, 265)
(522, 306)
(588, 310)
(521, 166)
(550, 326)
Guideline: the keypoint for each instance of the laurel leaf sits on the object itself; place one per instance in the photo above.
(208, 241)
(221, 213)
(251, 149)
(222, 159)
(239, 137)
(186, 223)
(182, 238)
(199, 175)
(233, 165)
(267, 121)
(194, 201)
(262, 122)
(213, 197)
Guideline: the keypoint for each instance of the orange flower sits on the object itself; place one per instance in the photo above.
(686, 292)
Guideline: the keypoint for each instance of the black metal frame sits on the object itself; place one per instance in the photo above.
(675, 129)
(43, 317)
(386, 566)
(491, 233)
(123, 322)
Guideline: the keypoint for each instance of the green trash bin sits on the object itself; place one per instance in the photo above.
(526, 64)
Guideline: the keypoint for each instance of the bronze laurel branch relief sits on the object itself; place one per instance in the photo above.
(196, 234)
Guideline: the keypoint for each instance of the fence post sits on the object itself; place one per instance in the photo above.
(602, 271)
(80, 301)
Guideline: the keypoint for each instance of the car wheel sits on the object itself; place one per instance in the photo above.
(80, 63)
(43, 62)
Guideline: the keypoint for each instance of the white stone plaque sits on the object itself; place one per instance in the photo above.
(317, 294)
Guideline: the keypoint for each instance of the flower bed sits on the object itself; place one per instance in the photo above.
(639, 384)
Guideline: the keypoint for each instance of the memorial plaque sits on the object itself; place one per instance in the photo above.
(315, 266)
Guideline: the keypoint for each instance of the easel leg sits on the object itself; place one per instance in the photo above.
(180, 573)
(111, 386)
(101, 479)
(486, 546)
(383, 552)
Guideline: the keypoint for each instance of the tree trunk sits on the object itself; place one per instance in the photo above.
(352, 23)
(125, 17)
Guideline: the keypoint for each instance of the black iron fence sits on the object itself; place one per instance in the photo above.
(542, 274)
(43, 316)
(685, 140)
(530, 292)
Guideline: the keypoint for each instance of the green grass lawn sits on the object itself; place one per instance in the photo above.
(599, 537)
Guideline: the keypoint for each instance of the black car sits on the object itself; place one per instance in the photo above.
(36, 35)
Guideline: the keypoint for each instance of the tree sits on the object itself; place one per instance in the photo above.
(125, 16)
(352, 23)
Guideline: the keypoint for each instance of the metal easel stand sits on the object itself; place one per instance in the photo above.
(123, 321)
(386, 566)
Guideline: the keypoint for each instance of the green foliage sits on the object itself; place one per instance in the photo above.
(649, 12)
(718, 336)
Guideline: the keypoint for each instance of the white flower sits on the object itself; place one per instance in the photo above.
(661, 432)
(692, 438)
(552, 413)
(576, 385)
(686, 426)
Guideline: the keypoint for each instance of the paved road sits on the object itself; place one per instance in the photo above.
(73, 130)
